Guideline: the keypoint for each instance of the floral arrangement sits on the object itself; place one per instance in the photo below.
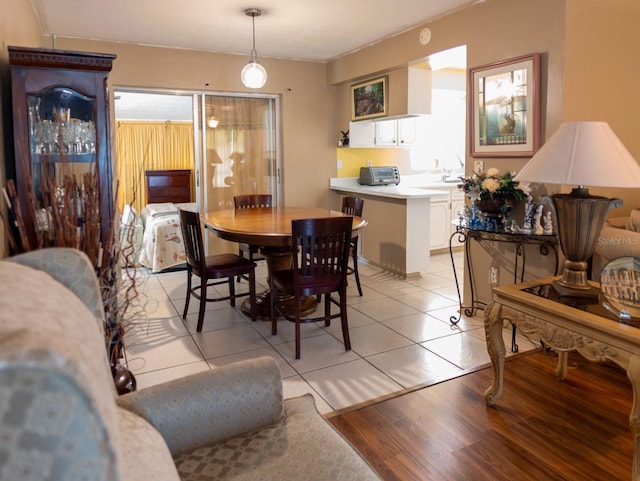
(490, 183)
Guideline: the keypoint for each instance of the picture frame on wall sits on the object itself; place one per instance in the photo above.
(504, 103)
(369, 99)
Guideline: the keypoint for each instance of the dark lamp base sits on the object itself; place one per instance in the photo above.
(564, 291)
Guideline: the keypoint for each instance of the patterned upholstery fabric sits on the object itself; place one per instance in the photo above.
(302, 447)
(143, 453)
(48, 430)
(49, 336)
(213, 405)
(71, 268)
(59, 419)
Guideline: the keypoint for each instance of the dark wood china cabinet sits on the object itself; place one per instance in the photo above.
(62, 144)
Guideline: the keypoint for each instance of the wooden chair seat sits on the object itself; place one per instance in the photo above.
(220, 266)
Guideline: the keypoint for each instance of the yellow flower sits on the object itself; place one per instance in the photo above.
(490, 185)
(492, 172)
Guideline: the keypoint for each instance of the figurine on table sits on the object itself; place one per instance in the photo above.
(547, 228)
(537, 217)
(527, 225)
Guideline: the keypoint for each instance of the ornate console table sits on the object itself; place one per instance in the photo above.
(463, 234)
(564, 324)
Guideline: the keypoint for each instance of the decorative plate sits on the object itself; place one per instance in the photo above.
(620, 287)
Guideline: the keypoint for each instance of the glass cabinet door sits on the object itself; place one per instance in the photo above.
(62, 144)
(64, 186)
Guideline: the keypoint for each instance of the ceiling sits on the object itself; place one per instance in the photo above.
(291, 29)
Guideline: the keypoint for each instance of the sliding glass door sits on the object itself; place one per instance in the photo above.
(237, 150)
(229, 142)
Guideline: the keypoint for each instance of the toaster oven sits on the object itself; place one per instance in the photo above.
(379, 175)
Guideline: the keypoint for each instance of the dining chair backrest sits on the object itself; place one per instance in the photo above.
(323, 248)
(352, 206)
(193, 243)
(251, 201)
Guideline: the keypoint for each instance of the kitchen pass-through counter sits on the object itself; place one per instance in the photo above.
(398, 235)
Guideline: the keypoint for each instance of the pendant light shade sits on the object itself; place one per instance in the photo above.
(253, 75)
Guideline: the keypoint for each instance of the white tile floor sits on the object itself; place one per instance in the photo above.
(401, 337)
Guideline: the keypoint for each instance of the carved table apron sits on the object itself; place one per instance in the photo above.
(588, 329)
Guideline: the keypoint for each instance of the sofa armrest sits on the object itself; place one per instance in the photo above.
(211, 406)
(71, 268)
(613, 242)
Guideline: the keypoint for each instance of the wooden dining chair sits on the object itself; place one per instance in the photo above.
(251, 201)
(353, 206)
(213, 269)
(319, 268)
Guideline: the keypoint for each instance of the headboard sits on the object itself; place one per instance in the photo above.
(168, 186)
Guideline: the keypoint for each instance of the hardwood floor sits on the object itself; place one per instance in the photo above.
(540, 429)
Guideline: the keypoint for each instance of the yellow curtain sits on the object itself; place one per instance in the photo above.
(144, 146)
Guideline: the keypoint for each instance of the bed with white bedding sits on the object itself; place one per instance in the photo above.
(162, 245)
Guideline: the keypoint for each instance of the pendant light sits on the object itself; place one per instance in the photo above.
(253, 75)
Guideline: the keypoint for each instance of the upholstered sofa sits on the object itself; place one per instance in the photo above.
(619, 237)
(60, 418)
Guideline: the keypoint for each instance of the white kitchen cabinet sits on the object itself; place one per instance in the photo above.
(457, 205)
(383, 133)
(407, 131)
(396, 133)
(362, 134)
(439, 228)
(443, 213)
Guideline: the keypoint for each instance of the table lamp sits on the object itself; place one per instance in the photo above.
(582, 154)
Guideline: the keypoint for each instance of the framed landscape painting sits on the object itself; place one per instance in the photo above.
(369, 99)
(505, 108)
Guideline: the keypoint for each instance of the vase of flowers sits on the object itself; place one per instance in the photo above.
(493, 193)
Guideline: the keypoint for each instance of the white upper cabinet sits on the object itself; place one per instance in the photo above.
(362, 134)
(407, 130)
(384, 133)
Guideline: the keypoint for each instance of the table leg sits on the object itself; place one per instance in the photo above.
(496, 349)
(278, 258)
(633, 373)
(561, 367)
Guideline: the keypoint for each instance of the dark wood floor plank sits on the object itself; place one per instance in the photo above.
(540, 429)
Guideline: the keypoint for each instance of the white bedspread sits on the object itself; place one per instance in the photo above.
(162, 245)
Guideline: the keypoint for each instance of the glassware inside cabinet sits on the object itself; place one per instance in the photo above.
(61, 123)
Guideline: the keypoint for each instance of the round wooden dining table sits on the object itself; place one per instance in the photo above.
(270, 229)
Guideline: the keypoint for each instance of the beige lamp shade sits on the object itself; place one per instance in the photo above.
(586, 154)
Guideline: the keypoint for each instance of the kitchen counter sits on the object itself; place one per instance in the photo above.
(398, 235)
(404, 190)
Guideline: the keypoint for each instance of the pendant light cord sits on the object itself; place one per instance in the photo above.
(254, 54)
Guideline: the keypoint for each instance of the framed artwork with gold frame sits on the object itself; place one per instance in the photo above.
(369, 99)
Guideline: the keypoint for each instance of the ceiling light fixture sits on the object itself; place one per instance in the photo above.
(253, 75)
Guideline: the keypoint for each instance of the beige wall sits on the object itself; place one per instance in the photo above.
(18, 26)
(601, 74)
